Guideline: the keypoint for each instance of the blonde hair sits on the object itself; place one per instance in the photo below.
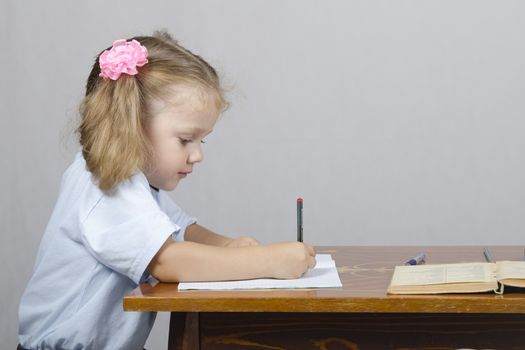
(114, 113)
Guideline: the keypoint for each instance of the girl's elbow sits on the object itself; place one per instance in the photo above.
(162, 273)
(160, 266)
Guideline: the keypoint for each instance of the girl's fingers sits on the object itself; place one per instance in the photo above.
(309, 249)
(311, 262)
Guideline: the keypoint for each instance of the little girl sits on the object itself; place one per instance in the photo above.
(149, 104)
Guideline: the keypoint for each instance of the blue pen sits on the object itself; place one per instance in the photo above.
(419, 259)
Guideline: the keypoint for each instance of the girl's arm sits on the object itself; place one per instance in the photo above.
(199, 234)
(190, 261)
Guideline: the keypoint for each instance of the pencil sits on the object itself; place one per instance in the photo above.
(299, 219)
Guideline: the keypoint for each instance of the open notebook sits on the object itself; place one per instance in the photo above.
(323, 275)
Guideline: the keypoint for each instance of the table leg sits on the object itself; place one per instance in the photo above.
(184, 331)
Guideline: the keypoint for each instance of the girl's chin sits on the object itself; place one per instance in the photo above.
(171, 186)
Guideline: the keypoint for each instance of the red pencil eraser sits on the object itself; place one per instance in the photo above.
(300, 200)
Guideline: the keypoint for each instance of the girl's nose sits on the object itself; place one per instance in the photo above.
(196, 155)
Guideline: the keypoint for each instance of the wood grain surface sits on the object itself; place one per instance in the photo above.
(365, 273)
(330, 331)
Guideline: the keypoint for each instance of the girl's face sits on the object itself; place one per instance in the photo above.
(176, 129)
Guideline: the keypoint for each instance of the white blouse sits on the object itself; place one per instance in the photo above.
(95, 250)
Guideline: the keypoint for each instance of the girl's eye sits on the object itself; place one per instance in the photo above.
(202, 141)
(184, 141)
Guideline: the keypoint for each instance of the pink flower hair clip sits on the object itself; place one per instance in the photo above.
(123, 57)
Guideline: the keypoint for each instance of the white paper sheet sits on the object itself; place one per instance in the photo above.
(323, 275)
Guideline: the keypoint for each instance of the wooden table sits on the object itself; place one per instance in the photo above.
(358, 316)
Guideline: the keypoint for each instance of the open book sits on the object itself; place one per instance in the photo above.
(457, 278)
(323, 275)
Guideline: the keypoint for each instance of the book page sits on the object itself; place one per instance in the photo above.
(470, 272)
(420, 275)
(510, 269)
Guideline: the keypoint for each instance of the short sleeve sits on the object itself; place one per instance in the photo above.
(125, 229)
(176, 214)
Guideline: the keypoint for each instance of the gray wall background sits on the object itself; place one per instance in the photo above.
(398, 122)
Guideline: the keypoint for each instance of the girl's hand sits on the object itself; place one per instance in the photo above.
(243, 241)
(290, 259)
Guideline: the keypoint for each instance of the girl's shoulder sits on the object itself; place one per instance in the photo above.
(78, 172)
(79, 188)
